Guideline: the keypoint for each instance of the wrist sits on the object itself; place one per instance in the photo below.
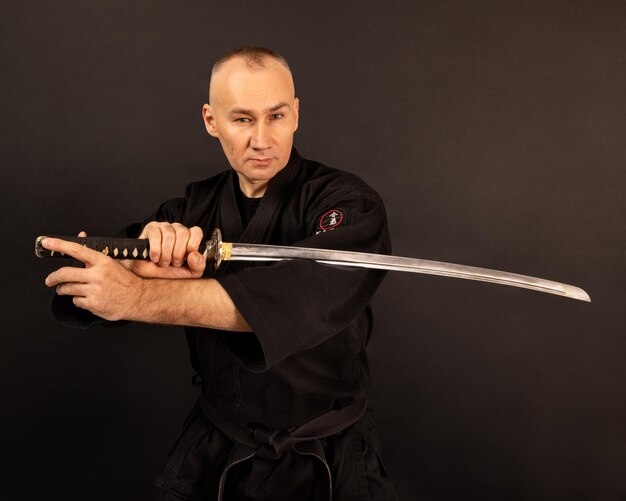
(139, 303)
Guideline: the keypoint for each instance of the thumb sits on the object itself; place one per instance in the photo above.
(82, 234)
(196, 262)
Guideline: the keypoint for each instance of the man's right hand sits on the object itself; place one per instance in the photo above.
(173, 252)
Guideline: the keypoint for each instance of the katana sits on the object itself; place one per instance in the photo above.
(216, 251)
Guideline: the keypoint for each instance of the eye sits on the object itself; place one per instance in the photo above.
(241, 120)
(276, 116)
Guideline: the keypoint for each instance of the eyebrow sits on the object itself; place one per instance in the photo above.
(243, 111)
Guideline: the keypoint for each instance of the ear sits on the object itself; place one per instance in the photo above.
(209, 120)
(296, 109)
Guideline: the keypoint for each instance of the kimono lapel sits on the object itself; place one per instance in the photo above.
(229, 219)
(258, 228)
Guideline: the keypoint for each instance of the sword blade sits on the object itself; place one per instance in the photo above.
(260, 252)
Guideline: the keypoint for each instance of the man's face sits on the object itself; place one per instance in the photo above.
(254, 114)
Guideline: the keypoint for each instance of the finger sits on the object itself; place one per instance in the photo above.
(180, 246)
(77, 251)
(80, 302)
(168, 236)
(82, 234)
(144, 269)
(153, 233)
(196, 263)
(144, 230)
(67, 274)
(72, 289)
(195, 239)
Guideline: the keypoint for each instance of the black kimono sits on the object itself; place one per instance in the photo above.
(282, 412)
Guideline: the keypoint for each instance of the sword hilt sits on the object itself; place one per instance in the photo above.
(116, 248)
(214, 250)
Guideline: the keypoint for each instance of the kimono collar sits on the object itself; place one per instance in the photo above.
(277, 190)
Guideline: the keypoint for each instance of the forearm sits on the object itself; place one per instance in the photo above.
(188, 302)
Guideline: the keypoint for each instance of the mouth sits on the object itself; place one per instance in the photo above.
(260, 161)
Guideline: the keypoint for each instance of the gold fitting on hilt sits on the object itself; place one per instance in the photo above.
(227, 251)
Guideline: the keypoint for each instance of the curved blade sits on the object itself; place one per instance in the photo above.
(259, 252)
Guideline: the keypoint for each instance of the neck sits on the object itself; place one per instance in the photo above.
(253, 189)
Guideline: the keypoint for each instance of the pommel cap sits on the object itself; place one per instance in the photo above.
(38, 247)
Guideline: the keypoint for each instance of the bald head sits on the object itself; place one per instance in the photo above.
(252, 58)
(238, 72)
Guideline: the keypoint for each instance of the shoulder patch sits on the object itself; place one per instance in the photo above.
(331, 219)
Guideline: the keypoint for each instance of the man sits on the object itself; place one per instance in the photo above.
(279, 348)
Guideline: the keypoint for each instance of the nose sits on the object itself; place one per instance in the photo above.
(261, 139)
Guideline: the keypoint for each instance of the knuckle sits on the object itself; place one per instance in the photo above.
(153, 228)
(168, 234)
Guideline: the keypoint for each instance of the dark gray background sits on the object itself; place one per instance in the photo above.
(494, 132)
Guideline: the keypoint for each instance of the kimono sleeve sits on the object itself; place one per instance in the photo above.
(295, 305)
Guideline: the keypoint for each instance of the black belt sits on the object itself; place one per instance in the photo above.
(272, 444)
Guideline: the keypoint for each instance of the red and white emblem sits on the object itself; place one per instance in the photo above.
(331, 219)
